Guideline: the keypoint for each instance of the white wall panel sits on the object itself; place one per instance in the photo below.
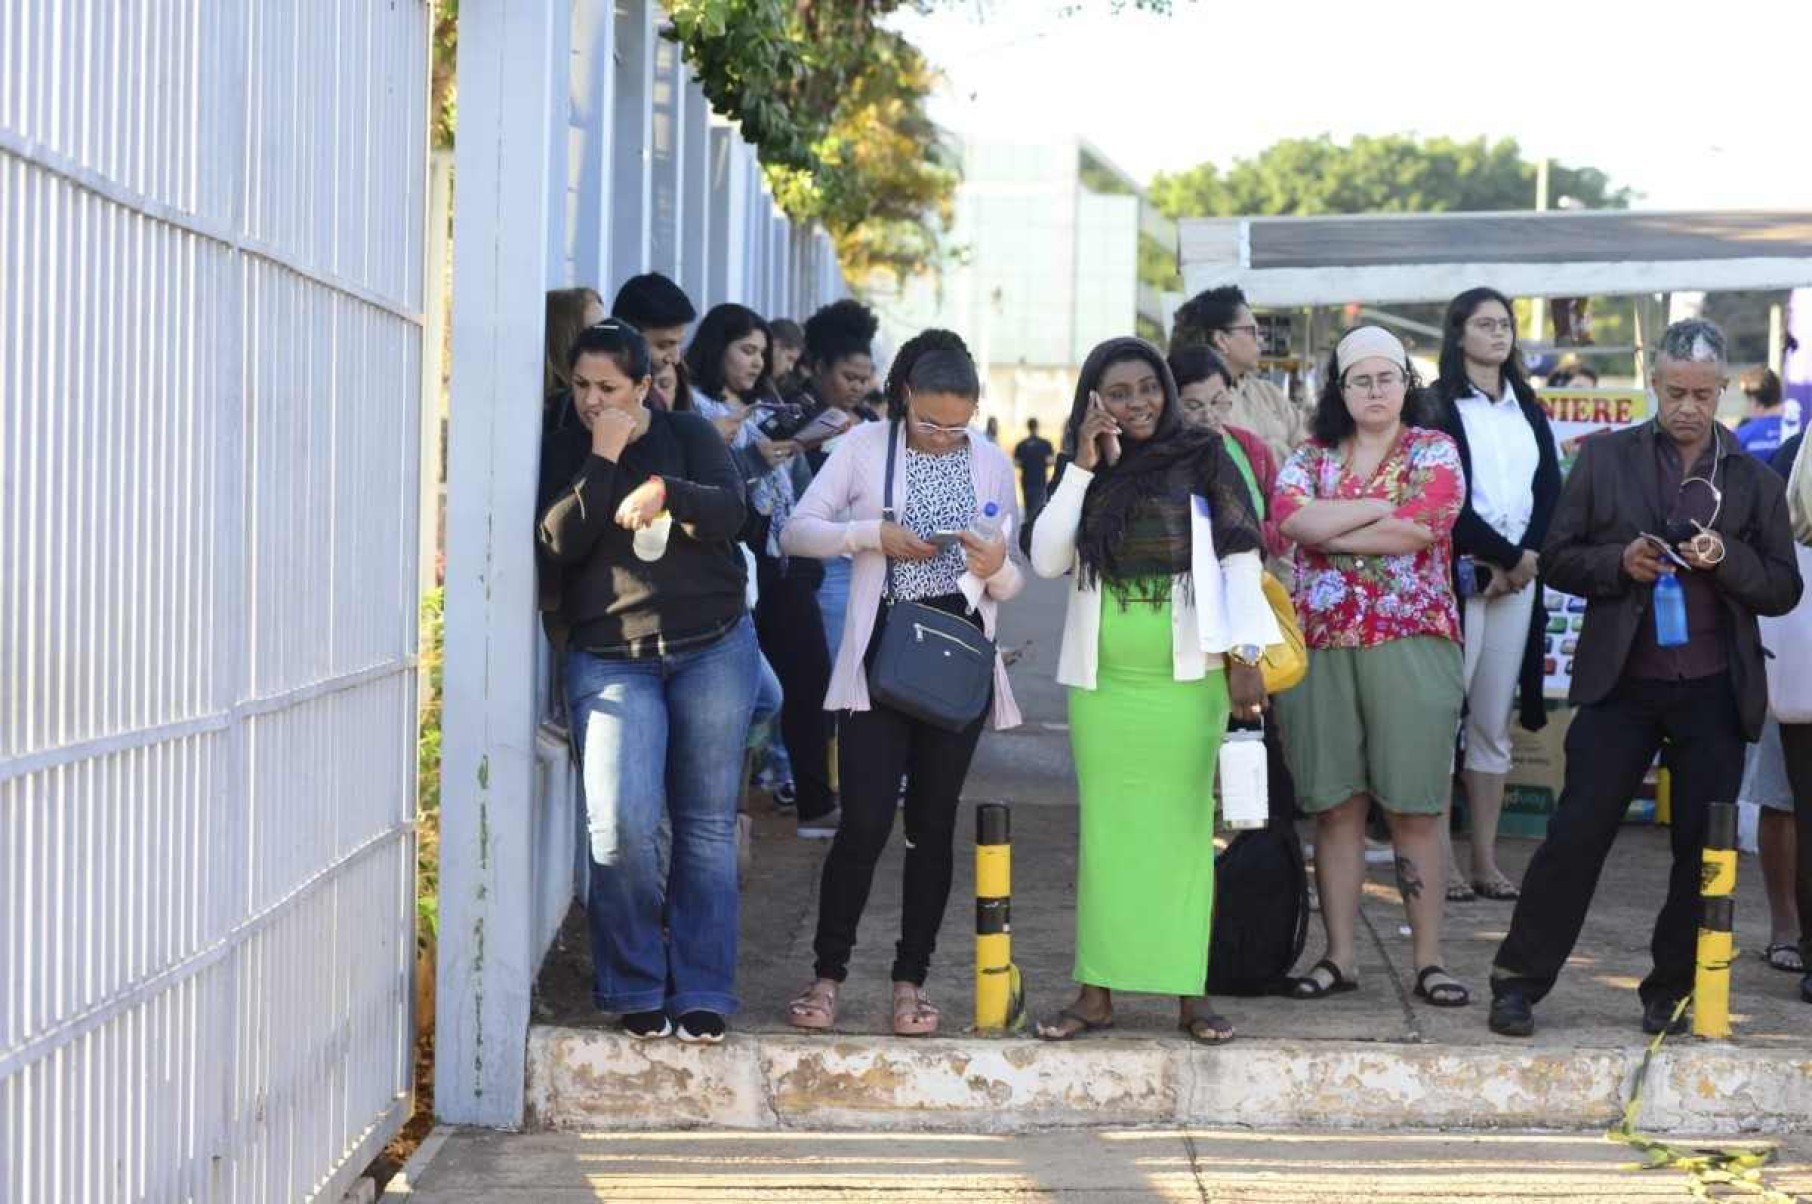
(211, 244)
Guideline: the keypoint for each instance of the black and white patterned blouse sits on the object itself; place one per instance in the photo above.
(940, 496)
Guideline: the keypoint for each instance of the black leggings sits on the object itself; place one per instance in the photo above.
(1796, 743)
(874, 749)
(790, 628)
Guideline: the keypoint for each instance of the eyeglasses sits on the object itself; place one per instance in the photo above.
(1124, 395)
(932, 428)
(1384, 382)
(1492, 325)
(1250, 328)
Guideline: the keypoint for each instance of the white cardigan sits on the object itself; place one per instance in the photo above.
(1230, 589)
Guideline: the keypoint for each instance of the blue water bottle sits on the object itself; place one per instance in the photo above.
(1670, 612)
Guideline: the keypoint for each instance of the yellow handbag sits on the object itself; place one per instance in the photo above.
(1285, 664)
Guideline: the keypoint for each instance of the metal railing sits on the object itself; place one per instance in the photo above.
(211, 221)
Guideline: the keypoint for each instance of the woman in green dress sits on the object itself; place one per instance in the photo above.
(1166, 623)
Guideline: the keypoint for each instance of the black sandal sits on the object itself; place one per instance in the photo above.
(1449, 994)
(1501, 890)
(1053, 1030)
(1211, 1029)
(1310, 987)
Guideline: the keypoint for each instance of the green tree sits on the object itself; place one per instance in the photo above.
(1388, 174)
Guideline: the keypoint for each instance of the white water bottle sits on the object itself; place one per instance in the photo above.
(1245, 780)
(986, 524)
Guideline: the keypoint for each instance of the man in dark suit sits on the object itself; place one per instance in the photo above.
(1718, 518)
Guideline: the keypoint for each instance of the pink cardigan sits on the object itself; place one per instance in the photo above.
(841, 515)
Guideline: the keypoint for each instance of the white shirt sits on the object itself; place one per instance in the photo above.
(1504, 460)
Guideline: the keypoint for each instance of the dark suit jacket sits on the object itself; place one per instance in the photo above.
(1473, 536)
(1613, 495)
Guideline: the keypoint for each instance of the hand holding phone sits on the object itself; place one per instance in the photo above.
(1098, 441)
(945, 539)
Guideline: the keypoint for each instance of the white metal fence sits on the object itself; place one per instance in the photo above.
(615, 167)
(211, 219)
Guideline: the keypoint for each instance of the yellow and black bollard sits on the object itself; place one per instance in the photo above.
(1717, 882)
(999, 1001)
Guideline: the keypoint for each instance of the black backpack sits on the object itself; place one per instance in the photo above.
(1261, 899)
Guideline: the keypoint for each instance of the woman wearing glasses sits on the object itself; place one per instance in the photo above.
(945, 477)
(1370, 501)
(1166, 623)
(1484, 402)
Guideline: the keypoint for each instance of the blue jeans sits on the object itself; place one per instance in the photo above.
(833, 600)
(664, 736)
(772, 764)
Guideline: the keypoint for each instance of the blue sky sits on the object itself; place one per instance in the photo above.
(1711, 108)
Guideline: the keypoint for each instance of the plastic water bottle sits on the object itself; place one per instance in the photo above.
(1670, 612)
(1245, 780)
(650, 542)
(986, 524)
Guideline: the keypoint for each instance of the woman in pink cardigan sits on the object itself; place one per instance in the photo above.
(943, 477)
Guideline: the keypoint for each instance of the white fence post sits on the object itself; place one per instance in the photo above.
(594, 116)
(488, 953)
(632, 182)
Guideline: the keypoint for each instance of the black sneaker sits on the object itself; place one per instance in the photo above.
(1658, 1016)
(702, 1028)
(786, 797)
(647, 1026)
(1512, 1015)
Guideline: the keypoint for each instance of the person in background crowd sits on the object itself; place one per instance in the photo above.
(1370, 503)
(1205, 391)
(641, 507)
(673, 385)
(1033, 454)
(992, 431)
(944, 476)
(1777, 785)
(1221, 319)
(1583, 376)
(783, 357)
(659, 309)
(1484, 402)
(569, 310)
(1760, 433)
(1159, 649)
(1682, 479)
(1790, 695)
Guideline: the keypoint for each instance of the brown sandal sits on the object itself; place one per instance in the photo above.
(815, 1008)
(914, 1015)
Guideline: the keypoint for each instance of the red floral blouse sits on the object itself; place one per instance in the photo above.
(1349, 601)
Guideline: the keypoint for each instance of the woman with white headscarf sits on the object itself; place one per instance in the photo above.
(1370, 502)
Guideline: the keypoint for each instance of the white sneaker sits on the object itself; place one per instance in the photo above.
(822, 828)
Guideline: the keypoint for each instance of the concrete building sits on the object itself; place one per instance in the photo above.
(1041, 263)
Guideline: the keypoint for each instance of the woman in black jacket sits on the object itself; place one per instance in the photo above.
(639, 509)
(1485, 402)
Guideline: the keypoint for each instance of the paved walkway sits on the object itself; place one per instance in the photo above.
(1595, 1005)
(1099, 1166)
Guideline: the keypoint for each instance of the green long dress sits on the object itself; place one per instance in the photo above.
(1145, 747)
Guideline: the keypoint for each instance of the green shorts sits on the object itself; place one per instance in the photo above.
(1378, 721)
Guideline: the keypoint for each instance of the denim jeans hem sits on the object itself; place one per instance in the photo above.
(644, 1001)
(703, 1001)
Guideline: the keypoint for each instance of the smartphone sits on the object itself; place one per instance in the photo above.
(1110, 444)
(1666, 549)
(945, 539)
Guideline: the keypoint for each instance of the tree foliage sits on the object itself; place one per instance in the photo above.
(1388, 174)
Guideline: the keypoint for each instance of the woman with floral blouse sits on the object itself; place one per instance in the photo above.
(1370, 502)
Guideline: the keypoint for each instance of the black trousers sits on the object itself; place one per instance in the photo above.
(874, 749)
(790, 628)
(1609, 748)
(1796, 742)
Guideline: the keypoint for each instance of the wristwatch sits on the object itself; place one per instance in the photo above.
(1247, 654)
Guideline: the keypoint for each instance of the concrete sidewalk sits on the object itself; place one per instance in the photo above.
(1101, 1166)
(1442, 1063)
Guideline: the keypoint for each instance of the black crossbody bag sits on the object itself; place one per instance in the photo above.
(931, 665)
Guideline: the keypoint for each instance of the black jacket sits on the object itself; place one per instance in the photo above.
(1473, 536)
(1612, 495)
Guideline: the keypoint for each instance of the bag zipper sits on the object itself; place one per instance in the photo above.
(922, 631)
